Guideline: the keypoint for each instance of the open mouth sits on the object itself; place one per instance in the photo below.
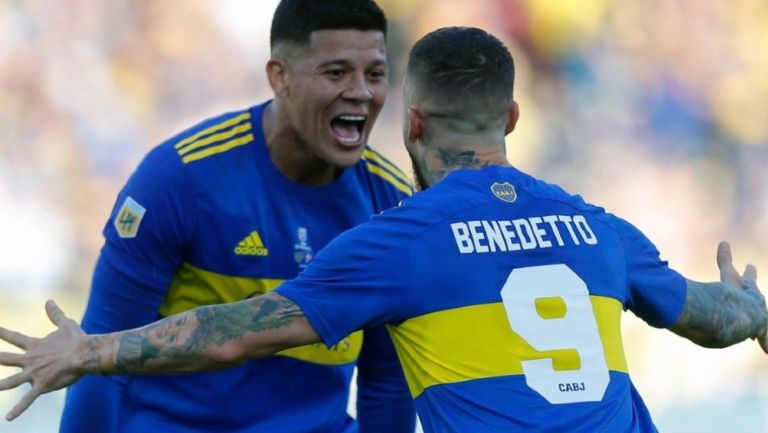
(348, 129)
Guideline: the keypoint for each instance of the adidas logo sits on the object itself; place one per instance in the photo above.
(251, 245)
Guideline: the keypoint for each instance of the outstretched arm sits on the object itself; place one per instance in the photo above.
(206, 338)
(723, 313)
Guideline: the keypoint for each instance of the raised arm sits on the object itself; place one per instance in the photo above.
(723, 313)
(206, 338)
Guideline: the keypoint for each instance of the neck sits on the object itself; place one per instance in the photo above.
(437, 160)
(290, 154)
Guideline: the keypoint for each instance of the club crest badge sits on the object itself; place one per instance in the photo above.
(504, 191)
(129, 218)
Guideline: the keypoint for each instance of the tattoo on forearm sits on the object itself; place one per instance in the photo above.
(716, 315)
(216, 328)
(89, 358)
(191, 333)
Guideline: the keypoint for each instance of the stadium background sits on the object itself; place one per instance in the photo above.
(655, 109)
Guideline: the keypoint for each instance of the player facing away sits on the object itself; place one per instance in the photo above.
(232, 207)
(502, 293)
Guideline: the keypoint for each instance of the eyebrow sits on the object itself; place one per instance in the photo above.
(345, 62)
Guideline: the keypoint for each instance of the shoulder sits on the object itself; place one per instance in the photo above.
(383, 173)
(174, 163)
(633, 240)
(384, 235)
(543, 190)
(536, 195)
(214, 136)
(418, 214)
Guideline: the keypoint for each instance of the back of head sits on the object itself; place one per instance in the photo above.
(295, 20)
(462, 77)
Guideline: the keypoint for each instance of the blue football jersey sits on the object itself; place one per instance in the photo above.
(207, 218)
(503, 295)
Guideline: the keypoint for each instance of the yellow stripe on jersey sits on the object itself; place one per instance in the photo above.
(193, 287)
(383, 162)
(404, 187)
(434, 348)
(378, 165)
(344, 352)
(219, 126)
(213, 150)
(214, 138)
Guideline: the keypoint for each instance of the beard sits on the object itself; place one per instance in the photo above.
(421, 181)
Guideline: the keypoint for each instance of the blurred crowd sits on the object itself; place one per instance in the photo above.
(86, 88)
(654, 108)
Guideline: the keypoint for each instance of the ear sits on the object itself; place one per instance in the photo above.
(415, 125)
(277, 74)
(512, 117)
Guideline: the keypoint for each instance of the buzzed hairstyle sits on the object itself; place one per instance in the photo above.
(295, 20)
(462, 73)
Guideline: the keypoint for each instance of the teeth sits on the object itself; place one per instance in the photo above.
(351, 118)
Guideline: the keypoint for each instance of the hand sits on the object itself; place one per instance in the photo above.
(730, 276)
(48, 363)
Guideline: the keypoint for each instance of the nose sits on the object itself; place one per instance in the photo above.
(358, 89)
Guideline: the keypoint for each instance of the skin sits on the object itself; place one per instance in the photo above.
(434, 159)
(206, 338)
(714, 314)
(340, 72)
(723, 313)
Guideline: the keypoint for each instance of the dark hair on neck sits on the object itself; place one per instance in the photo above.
(462, 70)
(295, 20)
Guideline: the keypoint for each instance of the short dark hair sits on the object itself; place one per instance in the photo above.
(462, 70)
(295, 20)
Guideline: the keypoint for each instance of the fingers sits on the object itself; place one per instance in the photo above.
(750, 273)
(54, 313)
(728, 273)
(23, 404)
(750, 281)
(12, 359)
(724, 256)
(13, 381)
(17, 339)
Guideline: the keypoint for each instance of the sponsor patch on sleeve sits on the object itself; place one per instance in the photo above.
(129, 218)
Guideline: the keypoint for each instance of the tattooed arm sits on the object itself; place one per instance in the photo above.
(206, 338)
(719, 315)
(723, 313)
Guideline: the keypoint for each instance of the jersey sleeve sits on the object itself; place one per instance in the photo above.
(656, 292)
(144, 240)
(361, 279)
(151, 221)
